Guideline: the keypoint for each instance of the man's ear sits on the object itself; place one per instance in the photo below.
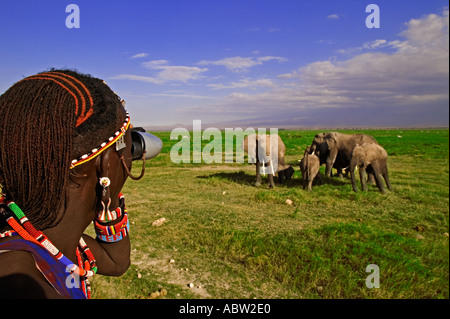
(104, 160)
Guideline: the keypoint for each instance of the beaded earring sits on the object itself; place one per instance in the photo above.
(104, 182)
(104, 214)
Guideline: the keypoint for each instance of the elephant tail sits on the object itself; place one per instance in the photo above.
(307, 166)
(311, 166)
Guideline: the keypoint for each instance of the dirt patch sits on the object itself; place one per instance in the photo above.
(172, 273)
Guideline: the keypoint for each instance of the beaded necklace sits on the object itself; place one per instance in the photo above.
(86, 262)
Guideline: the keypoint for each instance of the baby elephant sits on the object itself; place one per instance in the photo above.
(372, 158)
(267, 152)
(309, 166)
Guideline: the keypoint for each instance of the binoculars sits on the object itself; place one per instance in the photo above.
(143, 142)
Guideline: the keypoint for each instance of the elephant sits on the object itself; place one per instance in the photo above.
(268, 156)
(372, 158)
(309, 167)
(340, 164)
(335, 148)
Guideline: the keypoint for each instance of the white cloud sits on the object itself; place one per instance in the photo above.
(174, 73)
(165, 73)
(180, 73)
(233, 64)
(139, 56)
(333, 16)
(418, 64)
(245, 83)
(376, 44)
(431, 30)
(183, 96)
(409, 79)
(239, 64)
(136, 78)
(270, 58)
(155, 64)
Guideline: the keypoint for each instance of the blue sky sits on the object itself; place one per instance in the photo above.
(244, 63)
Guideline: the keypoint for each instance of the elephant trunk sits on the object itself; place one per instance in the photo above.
(353, 164)
(312, 149)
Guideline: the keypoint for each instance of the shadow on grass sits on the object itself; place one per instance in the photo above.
(237, 177)
(243, 178)
(335, 181)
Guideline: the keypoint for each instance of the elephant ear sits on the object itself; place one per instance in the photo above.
(324, 148)
(360, 155)
(355, 149)
(331, 142)
(371, 154)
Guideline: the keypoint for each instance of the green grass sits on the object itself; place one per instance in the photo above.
(234, 240)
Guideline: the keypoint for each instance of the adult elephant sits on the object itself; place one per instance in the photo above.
(336, 148)
(267, 152)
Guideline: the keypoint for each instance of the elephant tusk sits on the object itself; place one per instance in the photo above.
(271, 166)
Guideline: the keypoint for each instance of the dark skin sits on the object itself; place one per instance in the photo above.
(22, 279)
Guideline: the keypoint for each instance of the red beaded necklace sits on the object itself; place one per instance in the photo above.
(86, 262)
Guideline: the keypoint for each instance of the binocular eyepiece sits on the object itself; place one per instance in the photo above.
(144, 142)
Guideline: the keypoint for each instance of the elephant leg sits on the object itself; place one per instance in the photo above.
(281, 177)
(386, 178)
(310, 181)
(330, 162)
(318, 179)
(258, 174)
(271, 183)
(370, 178)
(378, 180)
(363, 177)
(305, 178)
(310, 178)
(328, 169)
(352, 175)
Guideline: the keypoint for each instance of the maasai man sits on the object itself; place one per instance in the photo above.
(65, 153)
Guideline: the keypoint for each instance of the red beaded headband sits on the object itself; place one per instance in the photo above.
(110, 141)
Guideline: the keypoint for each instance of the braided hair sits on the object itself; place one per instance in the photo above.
(47, 120)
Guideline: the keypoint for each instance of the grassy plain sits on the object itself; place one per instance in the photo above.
(234, 240)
